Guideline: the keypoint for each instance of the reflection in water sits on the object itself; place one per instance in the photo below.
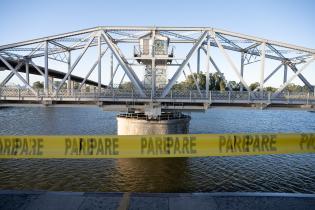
(155, 175)
(270, 173)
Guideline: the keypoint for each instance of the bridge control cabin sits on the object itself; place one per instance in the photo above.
(153, 51)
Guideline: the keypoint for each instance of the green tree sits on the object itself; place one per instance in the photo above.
(216, 82)
(296, 88)
(126, 86)
(254, 85)
(38, 85)
(57, 83)
(222, 85)
(75, 85)
(234, 85)
(270, 89)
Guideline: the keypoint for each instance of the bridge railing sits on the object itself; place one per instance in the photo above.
(190, 95)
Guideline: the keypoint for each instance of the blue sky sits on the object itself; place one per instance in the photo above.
(284, 20)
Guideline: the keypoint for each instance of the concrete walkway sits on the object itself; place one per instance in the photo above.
(13, 199)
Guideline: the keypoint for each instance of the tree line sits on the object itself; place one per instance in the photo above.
(217, 82)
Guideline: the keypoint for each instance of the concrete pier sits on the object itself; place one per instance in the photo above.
(140, 124)
(14, 199)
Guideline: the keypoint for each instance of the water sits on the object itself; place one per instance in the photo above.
(271, 173)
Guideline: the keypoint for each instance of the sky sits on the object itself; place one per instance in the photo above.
(290, 21)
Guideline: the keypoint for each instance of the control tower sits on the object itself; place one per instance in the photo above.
(154, 53)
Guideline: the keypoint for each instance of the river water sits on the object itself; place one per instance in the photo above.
(270, 173)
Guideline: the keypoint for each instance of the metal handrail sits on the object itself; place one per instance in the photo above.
(191, 95)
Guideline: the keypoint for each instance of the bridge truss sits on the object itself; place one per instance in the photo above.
(19, 58)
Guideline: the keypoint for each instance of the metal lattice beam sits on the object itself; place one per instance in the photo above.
(181, 67)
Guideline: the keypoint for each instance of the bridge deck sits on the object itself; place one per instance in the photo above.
(124, 100)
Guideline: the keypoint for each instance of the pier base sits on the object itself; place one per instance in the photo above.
(140, 124)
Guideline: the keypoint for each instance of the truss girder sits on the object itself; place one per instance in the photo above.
(74, 64)
(34, 49)
(282, 87)
(292, 66)
(92, 69)
(15, 71)
(183, 64)
(124, 64)
(232, 64)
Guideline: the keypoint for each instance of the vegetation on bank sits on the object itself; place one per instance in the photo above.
(217, 82)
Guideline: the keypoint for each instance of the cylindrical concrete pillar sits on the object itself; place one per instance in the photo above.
(133, 125)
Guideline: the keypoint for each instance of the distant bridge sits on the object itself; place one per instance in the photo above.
(152, 50)
(38, 70)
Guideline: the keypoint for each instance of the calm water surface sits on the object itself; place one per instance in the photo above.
(272, 173)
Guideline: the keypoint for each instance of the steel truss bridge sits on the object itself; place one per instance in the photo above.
(19, 59)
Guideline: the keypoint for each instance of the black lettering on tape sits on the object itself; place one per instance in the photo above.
(273, 142)
(158, 145)
(100, 147)
(67, 145)
(222, 142)
(144, 144)
(168, 145)
(185, 148)
(307, 142)
(193, 149)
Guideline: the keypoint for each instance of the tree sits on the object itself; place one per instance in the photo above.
(126, 86)
(38, 85)
(75, 85)
(270, 89)
(57, 83)
(296, 88)
(216, 82)
(222, 85)
(254, 85)
(234, 85)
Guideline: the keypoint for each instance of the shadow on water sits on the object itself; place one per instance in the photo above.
(154, 175)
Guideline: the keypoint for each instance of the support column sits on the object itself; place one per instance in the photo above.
(208, 66)
(285, 73)
(198, 60)
(72, 85)
(153, 70)
(50, 84)
(242, 71)
(131, 124)
(69, 87)
(83, 89)
(46, 69)
(262, 67)
(111, 69)
(27, 72)
(99, 64)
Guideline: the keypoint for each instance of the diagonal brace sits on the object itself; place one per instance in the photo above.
(17, 73)
(183, 64)
(293, 77)
(91, 70)
(231, 63)
(74, 65)
(111, 80)
(132, 76)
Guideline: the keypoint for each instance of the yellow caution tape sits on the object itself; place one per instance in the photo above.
(152, 146)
